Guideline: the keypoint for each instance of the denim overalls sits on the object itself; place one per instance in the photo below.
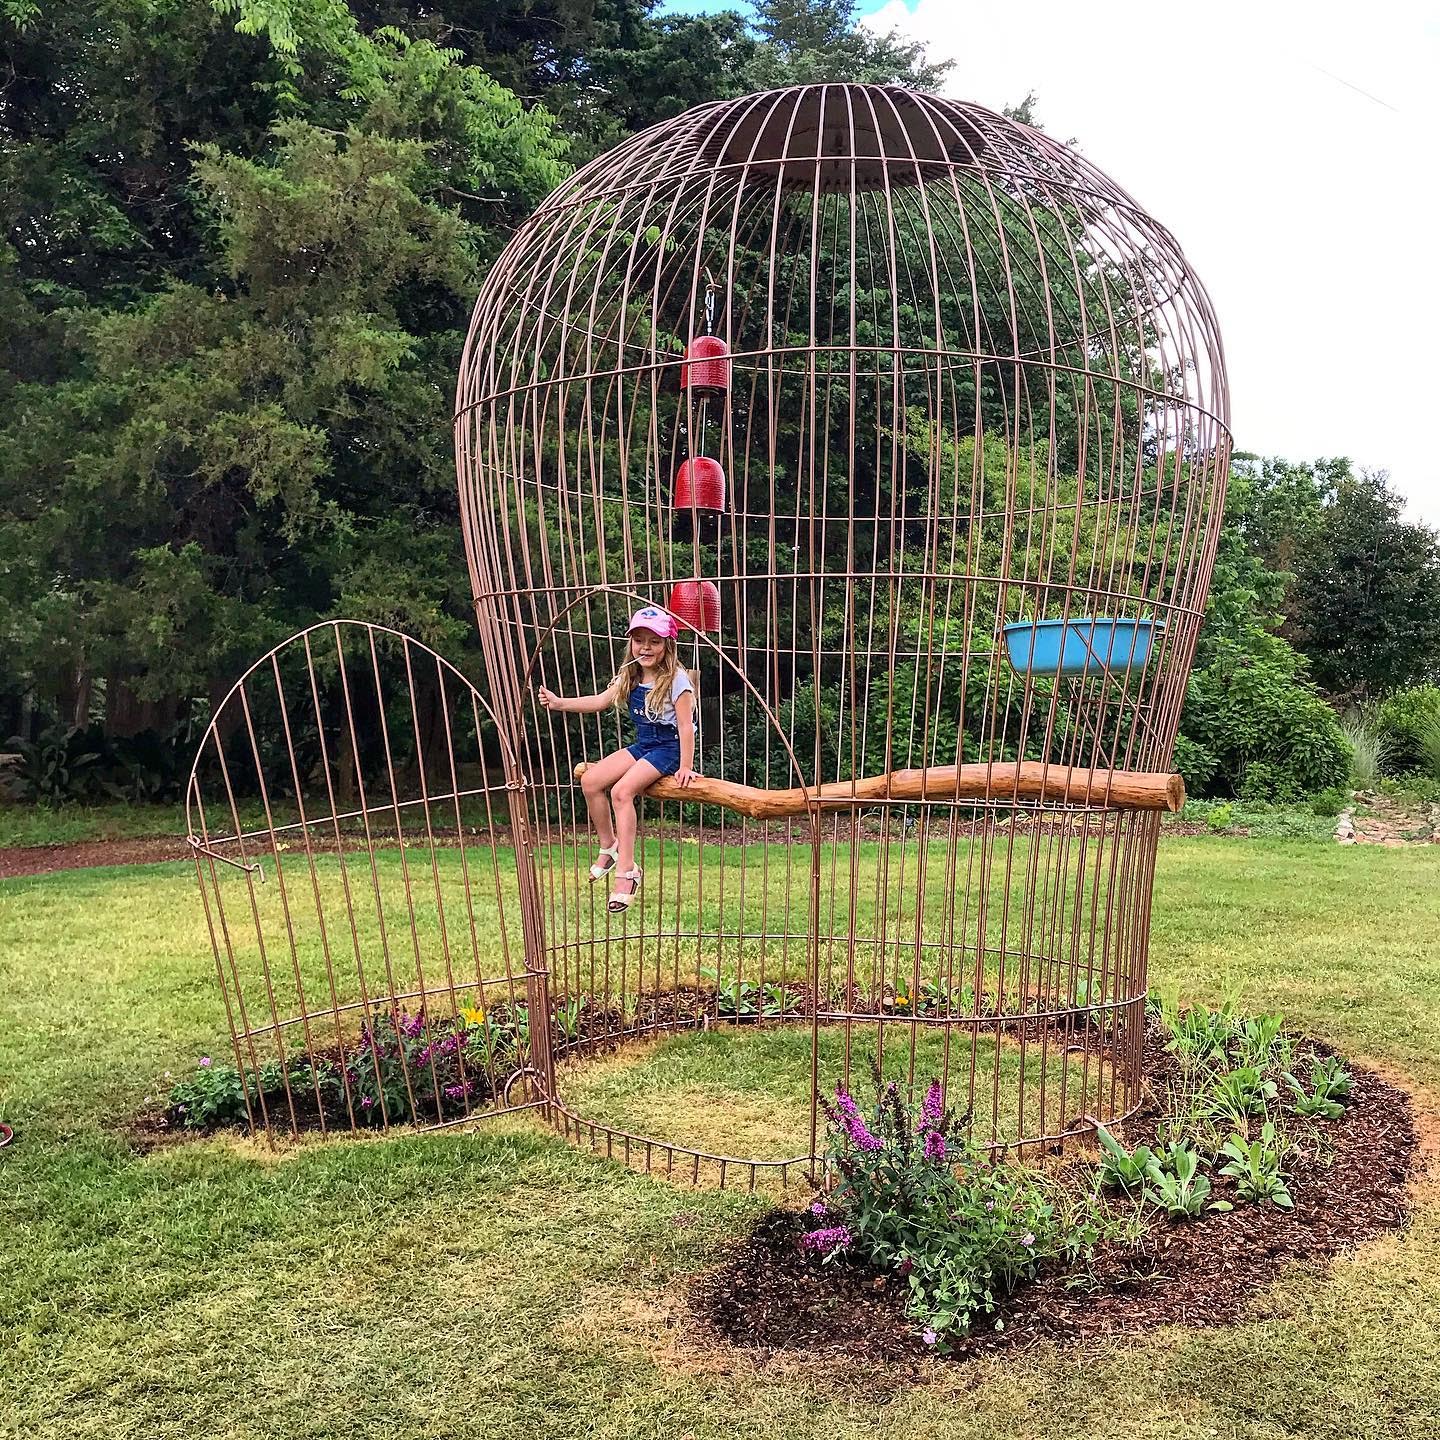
(657, 743)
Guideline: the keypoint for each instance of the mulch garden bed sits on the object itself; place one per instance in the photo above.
(771, 1297)
(18, 860)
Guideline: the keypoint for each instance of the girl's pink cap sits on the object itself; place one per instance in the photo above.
(656, 621)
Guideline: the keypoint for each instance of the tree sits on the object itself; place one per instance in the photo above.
(805, 41)
(1253, 724)
(1365, 604)
(232, 417)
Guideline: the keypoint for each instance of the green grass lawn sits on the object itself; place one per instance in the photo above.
(67, 824)
(500, 1282)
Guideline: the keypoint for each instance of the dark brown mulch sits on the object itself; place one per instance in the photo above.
(772, 1297)
(18, 860)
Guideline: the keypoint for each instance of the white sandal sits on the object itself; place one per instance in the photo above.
(598, 871)
(618, 903)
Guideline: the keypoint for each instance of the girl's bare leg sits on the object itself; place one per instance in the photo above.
(596, 783)
(636, 781)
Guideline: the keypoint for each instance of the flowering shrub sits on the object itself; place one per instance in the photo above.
(918, 1197)
(402, 1067)
(213, 1096)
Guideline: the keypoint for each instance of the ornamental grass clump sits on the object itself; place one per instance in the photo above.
(917, 1197)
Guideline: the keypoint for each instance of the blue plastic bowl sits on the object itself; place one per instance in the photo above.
(1082, 646)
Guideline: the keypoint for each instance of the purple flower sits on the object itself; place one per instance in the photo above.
(989, 1205)
(412, 1025)
(860, 1136)
(855, 1126)
(932, 1108)
(934, 1145)
(366, 1101)
(929, 1336)
(818, 1208)
(456, 1092)
(1028, 1240)
(206, 1062)
(829, 1241)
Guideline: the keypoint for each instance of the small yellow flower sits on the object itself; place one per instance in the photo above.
(473, 1015)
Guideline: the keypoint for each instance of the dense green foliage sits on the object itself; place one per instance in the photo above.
(1366, 599)
(240, 241)
(1317, 579)
(1253, 725)
(240, 245)
(919, 1199)
(238, 272)
(1409, 720)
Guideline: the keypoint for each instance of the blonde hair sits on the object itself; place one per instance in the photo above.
(627, 677)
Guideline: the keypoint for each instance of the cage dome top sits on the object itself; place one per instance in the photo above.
(941, 233)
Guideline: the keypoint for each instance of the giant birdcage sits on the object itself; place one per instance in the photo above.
(918, 425)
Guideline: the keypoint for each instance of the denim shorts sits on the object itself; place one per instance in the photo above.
(662, 751)
(657, 743)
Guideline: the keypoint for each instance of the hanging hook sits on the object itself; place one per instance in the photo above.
(711, 290)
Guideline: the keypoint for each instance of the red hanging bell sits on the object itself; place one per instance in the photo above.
(696, 605)
(706, 366)
(700, 484)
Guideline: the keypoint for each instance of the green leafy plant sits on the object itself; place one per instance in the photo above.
(1200, 1033)
(934, 999)
(1330, 1077)
(1120, 1168)
(59, 765)
(1176, 1185)
(743, 1000)
(1089, 990)
(1260, 1042)
(1255, 727)
(567, 1017)
(1255, 1166)
(213, 1096)
(1331, 1085)
(1410, 720)
(1312, 1106)
(737, 1000)
(1235, 1095)
(919, 1198)
(491, 1039)
(1220, 819)
(776, 1001)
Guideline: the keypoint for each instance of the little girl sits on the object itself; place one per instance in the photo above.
(661, 700)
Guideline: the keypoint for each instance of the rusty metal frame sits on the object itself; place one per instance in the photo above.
(971, 384)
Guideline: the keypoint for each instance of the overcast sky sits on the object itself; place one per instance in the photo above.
(1294, 151)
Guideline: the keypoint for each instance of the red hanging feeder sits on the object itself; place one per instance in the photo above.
(696, 605)
(700, 484)
(706, 367)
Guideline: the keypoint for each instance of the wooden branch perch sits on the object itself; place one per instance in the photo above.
(1025, 780)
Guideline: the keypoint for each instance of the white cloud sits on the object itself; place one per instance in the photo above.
(1294, 150)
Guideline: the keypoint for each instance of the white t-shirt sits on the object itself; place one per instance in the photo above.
(681, 684)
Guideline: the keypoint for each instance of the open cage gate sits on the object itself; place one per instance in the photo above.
(918, 426)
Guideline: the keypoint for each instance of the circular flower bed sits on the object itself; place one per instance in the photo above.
(1256, 1148)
